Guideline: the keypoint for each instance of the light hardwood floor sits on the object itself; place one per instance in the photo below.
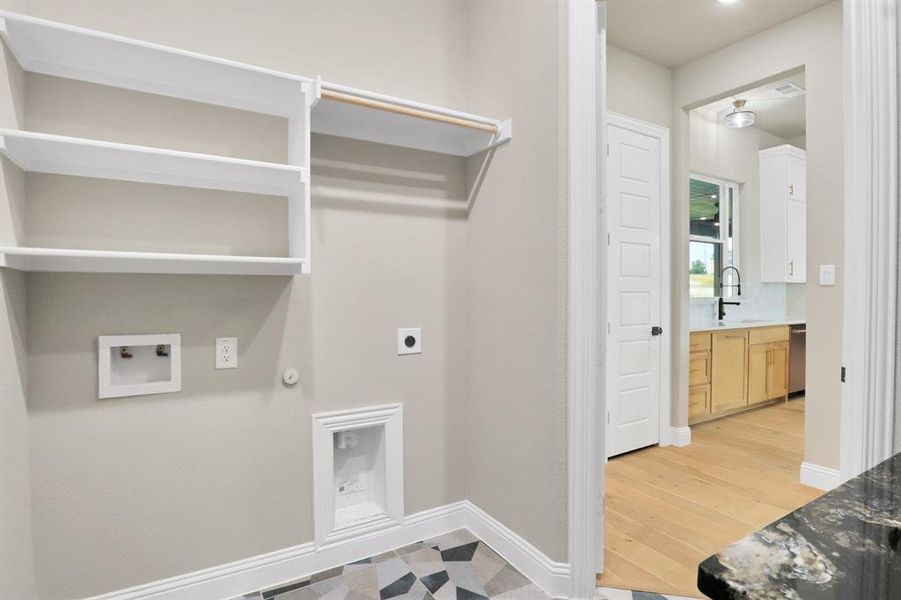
(669, 508)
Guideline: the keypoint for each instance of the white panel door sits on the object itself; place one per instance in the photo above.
(634, 279)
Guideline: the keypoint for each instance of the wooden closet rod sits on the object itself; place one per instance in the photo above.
(403, 110)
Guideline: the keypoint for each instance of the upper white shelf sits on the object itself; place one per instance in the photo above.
(107, 261)
(359, 114)
(63, 50)
(47, 153)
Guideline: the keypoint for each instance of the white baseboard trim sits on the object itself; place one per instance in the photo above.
(681, 436)
(268, 570)
(819, 476)
(551, 576)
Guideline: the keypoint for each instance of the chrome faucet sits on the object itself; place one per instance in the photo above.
(721, 305)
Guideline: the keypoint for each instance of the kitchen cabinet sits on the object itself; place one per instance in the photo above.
(783, 214)
(729, 379)
(767, 372)
(733, 370)
(698, 402)
(699, 372)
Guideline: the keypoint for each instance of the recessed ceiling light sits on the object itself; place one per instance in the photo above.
(728, 1)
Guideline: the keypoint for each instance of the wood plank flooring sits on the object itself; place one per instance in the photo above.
(669, 508)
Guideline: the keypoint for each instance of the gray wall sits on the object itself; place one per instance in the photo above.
(131, 490)
(814, 41)
(516, 438)
(16, 555)
(639, 88)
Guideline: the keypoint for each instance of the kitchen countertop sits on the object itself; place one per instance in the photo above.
(842, 546)
(749, 324)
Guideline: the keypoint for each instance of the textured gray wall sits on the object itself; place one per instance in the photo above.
(517, 271)
(16, 555)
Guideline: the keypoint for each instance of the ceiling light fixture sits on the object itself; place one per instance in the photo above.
(728, 1)
(740, 116)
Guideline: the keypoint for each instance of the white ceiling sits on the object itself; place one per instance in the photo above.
(675, 32)
(783, 117)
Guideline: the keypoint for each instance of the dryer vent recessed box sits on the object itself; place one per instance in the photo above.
(134, 365)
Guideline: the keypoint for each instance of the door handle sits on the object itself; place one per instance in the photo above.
(656, 330)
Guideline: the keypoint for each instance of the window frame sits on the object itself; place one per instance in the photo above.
(726, 212)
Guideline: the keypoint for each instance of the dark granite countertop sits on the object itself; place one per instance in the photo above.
(842, 546)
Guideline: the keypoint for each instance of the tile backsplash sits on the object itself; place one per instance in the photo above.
(769, 301)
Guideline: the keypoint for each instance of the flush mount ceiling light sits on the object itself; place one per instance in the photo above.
(740, 116)
(728, 1)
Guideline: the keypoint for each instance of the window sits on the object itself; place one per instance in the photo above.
(713, 234)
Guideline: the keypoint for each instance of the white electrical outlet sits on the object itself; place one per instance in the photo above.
(226, 353)
(409, 341)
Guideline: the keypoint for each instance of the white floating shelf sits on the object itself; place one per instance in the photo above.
(362, 115)
(76, 53)
(101, 261)
(47, 153)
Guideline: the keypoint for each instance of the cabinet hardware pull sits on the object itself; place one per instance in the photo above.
(791, 268)
(791, 189)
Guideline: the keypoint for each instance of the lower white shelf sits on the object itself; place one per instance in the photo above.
(104, 261)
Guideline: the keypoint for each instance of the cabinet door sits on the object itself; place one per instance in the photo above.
(730, 363)
(758, 361)
(795, 241)
(777, 371)
(698, 402)
(698, 368)
(796, 188)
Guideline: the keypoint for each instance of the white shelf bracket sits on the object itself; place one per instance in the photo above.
(314, 94)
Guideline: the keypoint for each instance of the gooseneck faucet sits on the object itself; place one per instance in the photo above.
(721, 305)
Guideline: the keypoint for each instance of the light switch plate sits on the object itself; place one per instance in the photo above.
(409, 341)
(226, 353)
(827, 274)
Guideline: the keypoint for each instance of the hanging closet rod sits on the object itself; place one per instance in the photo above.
(403, 110)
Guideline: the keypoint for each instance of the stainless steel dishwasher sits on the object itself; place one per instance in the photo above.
(797, 358)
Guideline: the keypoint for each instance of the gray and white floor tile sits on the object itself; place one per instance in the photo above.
(454, 566)
(617, 594)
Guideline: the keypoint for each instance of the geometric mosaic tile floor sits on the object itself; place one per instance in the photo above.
(614, 594)
(454, 566)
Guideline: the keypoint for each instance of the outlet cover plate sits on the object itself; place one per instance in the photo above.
(409, 341)
(226, 353)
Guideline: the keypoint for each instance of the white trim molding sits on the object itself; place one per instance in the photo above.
(872, 33)
(272, 569)
(819, 476)
(680, 436)
(390, 419)
(585, 428)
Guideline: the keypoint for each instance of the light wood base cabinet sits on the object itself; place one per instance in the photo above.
(733, 370)
(699, 372)
(729, 385)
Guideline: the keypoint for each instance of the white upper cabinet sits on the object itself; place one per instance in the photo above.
(783, 215)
